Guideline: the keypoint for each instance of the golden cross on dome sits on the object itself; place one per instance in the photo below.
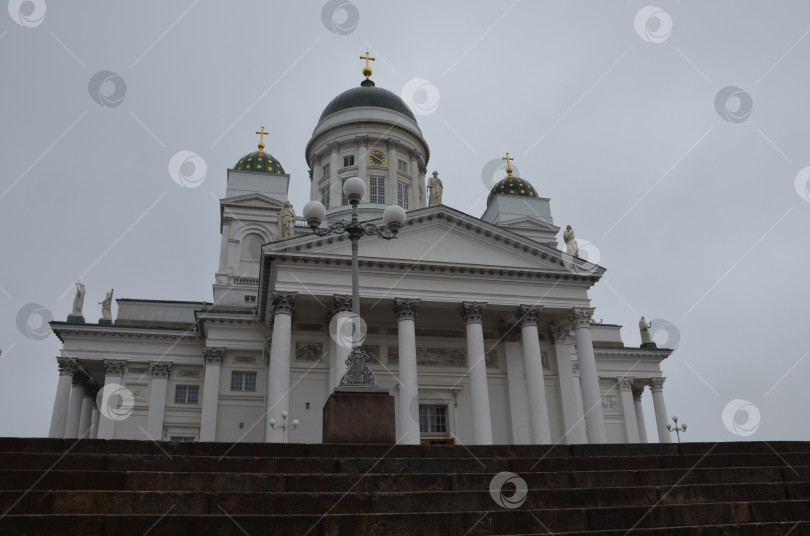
(261, 138)
(508, 164)
(367, 69)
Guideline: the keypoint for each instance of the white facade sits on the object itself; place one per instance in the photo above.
(479, 327)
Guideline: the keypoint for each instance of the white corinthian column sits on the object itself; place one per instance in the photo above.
(473, 314)
(580, 317)
(642, 428)
(572, 418)
(278, 387)
(625, 387)
(405, 311)
(67, 366)
(157, 399)
(536, 387)
(661, 418)
(210, 402)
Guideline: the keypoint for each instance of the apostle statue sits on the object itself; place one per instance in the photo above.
(78, 301)
(287, 220)
(570, 242)
(436, 188)
(644, 329)
(106, 306)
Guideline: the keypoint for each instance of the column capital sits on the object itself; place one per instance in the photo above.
(510, 334)
(67, 365)
(159, 369)
(637, 392)
(80, 379)
(528, 315)
(316, 160)
(581, 317)
(213, 356)
(657, 384)
(575, 368)
(405, 309)
(414, 155)
(624, 383)
(422, 170)
(473, 312)
(361, 141)
(91, 389)
(392, 144)
(341, 304)
(561, 334)
(226, 220)
(115, 367)
(334, 147)
(284, 303)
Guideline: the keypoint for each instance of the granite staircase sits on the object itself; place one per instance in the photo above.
(96, 487)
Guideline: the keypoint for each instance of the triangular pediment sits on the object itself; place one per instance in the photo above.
(442, 236)
(530, 222)
(253, 200)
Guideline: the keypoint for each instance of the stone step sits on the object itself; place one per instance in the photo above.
(120, 446)
(467, 523)
(130, 462)
(309, 482)
(245, 503)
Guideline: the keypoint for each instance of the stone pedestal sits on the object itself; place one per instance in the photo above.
(75, 319)
(359, 418)
(104, 322)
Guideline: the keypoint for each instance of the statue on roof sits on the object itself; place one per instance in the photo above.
(78, 301)
(435, 187)
(644, 329)
(106, 306)
(570, 242)
(287, 220)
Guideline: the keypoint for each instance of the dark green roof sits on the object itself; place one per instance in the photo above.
(367, 95)
(512, 186)
(259, 162)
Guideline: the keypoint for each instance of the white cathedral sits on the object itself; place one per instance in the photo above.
(479, 327)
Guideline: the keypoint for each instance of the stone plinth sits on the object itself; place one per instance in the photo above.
(359, 418)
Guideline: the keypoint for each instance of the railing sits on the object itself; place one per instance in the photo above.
(245, 281)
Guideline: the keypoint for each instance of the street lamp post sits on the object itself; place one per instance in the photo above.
(677, 429)
(284, 426)
(358, 377)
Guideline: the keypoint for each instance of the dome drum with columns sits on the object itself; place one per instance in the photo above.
(488, 338)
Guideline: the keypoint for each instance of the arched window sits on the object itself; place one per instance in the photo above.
(250, 255)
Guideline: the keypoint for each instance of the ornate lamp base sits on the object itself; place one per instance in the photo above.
(361, 415)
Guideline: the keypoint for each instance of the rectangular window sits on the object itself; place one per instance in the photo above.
(326, 170)
(403, 166)
(182, 439)
(433, 419)
(243, 381)
(186, 394)
(250, 299)
(325, 196)
(344, 200)
(377, 190)
(348, 160)
(402, 195)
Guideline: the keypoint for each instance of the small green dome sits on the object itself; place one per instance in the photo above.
(259, 162)
(514, 186)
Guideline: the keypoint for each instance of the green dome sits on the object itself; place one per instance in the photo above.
(514, 186)
(367, 95)
(259, 162)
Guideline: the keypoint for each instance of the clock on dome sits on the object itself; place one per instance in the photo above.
(376, 158)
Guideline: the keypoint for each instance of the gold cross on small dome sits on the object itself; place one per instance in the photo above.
(508, 164)
(261, 133)
(367, 69)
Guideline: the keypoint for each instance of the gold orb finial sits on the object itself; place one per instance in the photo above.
(261, 134)
(367, 69)
(508, 165)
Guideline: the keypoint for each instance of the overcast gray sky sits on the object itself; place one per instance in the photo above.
(697, 204)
